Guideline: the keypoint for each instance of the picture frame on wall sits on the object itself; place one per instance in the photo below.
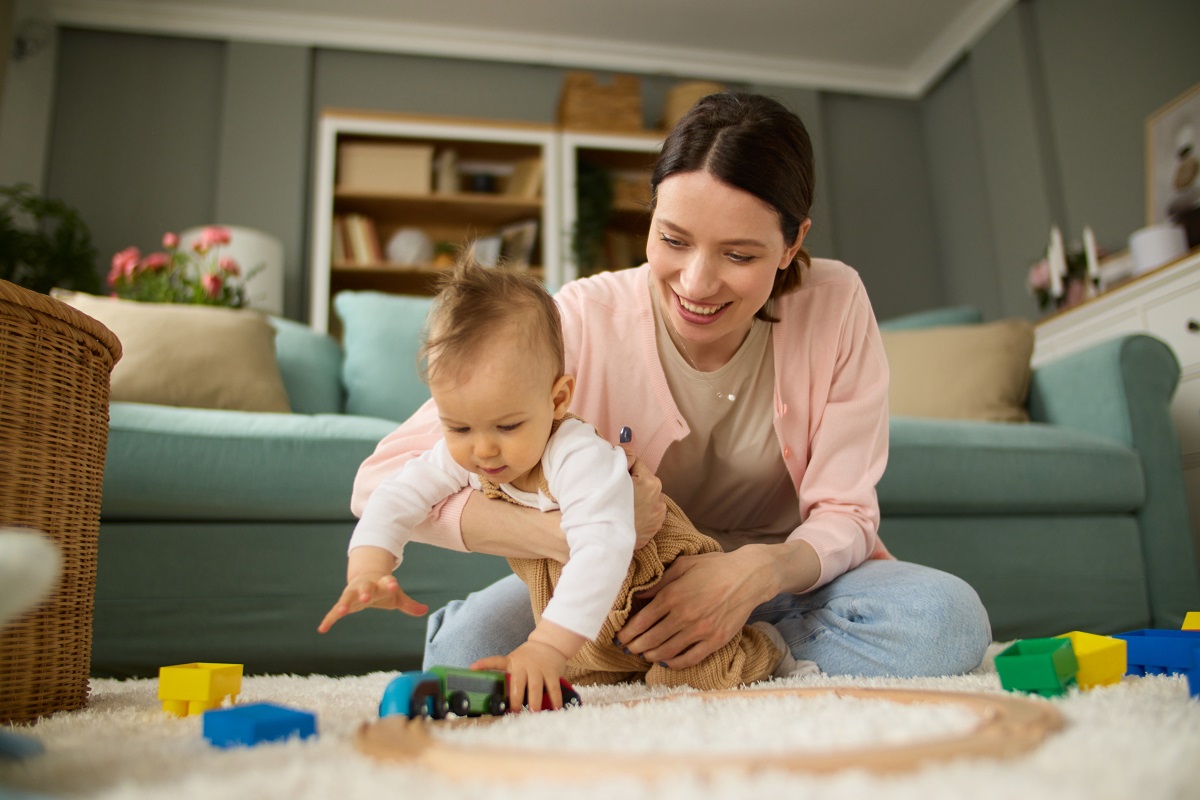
(1173, 164)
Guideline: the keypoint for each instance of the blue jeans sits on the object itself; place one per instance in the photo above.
(882, 618)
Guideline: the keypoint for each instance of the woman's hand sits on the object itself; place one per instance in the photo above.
(702, 601)
(649, 508)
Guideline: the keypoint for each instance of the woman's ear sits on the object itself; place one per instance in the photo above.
(561, 393)
(790, 255)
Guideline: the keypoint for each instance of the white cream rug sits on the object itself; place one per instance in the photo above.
(1139, 739)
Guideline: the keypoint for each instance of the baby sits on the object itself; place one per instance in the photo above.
(493, 359)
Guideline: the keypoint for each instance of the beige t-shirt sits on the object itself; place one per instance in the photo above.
(728, 474)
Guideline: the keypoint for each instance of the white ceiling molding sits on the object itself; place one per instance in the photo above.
(318, 30)
(955, 41)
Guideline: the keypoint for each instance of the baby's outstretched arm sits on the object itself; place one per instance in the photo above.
(536, 665)
(370, 584)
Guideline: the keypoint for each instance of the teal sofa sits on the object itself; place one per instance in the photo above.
(223, 533)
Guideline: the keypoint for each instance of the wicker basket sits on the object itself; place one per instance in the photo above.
(682, 96)
(54, 379)
(587, 104)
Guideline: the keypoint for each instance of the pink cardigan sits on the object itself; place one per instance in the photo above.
(831, 416)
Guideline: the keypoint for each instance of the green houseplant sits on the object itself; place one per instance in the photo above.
(44, 243)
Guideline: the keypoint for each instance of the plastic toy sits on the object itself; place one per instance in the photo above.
(1045, 667)
(246, 726)
(1191, 622)
(465, 692)
(189, 689)
(1154, 651)
(1102, 659)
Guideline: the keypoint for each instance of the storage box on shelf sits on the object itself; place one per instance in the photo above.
(1164, 303)
(454, 180)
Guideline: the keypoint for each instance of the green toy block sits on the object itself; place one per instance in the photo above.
(1046, 667)
(1102, 659)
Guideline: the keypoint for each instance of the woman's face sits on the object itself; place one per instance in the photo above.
(714, 251)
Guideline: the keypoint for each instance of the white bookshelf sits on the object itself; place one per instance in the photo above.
(457, 217)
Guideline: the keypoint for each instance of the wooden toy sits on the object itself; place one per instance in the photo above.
(1008, 726)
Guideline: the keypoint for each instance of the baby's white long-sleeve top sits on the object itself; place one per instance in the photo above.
(589, 479)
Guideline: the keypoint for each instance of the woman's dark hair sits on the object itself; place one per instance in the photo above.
(755, 144)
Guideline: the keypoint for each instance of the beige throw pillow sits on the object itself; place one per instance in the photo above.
(190, 355)
(961, 371)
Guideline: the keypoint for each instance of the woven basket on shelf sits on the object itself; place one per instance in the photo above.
(54, 380)
(682, 96)
(587, 104)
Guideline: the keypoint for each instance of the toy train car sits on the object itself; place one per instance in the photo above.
(463, 692)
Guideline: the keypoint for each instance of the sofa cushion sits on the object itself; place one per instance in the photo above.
(197, 464)
(381, 334)
(190, 355)
(961, 371)
(955, 467)
(311, 366)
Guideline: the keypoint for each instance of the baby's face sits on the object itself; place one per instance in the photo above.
(496, 416)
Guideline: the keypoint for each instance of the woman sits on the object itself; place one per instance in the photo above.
(755, 383)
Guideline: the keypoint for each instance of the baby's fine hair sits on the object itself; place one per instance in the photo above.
(474, 304)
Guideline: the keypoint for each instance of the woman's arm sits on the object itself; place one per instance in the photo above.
(702, 601)
(512, 531)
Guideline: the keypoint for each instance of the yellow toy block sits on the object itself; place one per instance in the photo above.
(1191, 622)
(1102, 659)
(190, 689)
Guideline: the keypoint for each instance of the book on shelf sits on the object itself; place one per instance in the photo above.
(526, 179)
(363, 240)
(338, 252)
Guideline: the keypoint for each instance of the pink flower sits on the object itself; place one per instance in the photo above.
(1039, 277)
(126, 261)
(214, 235)
(155, 261)
(230, 266)
(170, 241)
(212, 283)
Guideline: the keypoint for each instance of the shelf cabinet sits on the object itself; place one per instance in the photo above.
(606, 197)
(456, 181)
(459, 181)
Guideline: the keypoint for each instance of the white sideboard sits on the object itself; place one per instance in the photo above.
(1164, 303)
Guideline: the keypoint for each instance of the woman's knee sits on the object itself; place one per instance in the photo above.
(899, 619)
(950, 626)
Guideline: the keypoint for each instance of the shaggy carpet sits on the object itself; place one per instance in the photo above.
(1139, 738)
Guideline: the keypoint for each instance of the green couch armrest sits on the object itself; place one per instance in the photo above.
(1122, 389)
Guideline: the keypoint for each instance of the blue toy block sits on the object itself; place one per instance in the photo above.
(263, 722)
(1154, 651)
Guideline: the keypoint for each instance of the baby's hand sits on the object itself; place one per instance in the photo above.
(371, 591)
(532, 668)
